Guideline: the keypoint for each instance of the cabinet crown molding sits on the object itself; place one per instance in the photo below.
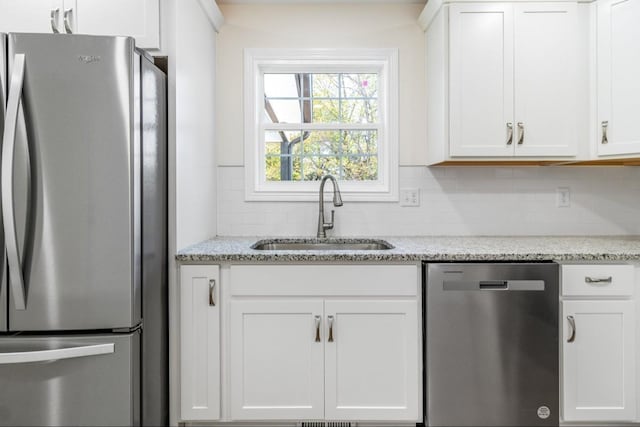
(213, 12)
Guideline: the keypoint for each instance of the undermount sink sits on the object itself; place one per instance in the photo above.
(322, 245)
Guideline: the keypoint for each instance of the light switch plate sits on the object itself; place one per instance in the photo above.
(410, 197)
(563, 197)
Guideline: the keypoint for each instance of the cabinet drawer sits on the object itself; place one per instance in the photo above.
(325, 280)
(597, 280)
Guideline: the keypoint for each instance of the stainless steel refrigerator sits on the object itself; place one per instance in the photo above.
(83, 290)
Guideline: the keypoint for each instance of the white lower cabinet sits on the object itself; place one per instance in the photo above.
(370, 365)
(277, 356)
(309, 348)
(599, 343)
(599, 360)
(199, 343)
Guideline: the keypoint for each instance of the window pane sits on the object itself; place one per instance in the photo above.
(316, 167)
(359, 111)
(281, 148)
(324, 142)
(360, 142)
(309, 155)
(326, 111)
(360, 168)
(359, 85)
(280, 86)
(325, 85)
(284, 111)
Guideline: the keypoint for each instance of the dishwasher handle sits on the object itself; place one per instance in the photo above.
(493, 285)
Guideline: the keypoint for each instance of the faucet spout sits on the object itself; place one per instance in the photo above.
(337, 202)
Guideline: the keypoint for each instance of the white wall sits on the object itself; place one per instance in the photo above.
(194, 65)
(320, 26)
(188, 40)
(456, 201)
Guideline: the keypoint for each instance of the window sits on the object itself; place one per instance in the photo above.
(309, 113)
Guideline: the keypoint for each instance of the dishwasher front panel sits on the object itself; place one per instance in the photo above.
(492, 344)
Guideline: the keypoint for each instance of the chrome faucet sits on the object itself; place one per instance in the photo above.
(337, 202)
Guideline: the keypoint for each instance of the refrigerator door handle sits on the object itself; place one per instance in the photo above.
(6, 182)
(58, 354)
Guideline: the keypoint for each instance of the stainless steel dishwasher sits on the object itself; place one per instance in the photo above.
(492, 344)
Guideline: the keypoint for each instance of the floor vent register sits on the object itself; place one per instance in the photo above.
(327, 424)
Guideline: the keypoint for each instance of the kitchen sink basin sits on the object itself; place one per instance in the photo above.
(322, 245)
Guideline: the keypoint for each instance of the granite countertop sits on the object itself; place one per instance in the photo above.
(427, 248)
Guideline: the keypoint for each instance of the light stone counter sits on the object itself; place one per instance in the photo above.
(426, 248)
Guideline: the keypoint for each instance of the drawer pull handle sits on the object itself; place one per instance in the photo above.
(212, 292)
(330, 321)
(510, 133)
(598, 279)
(605, 138)
(572, 324)
(317, 320)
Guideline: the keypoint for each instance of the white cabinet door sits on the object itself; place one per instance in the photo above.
(30, 16)
(481, 79)
(545, 79)
(618, 70)
(199, 343)
(277, 359)
(599, 378)
(136, 18)
(372, 361)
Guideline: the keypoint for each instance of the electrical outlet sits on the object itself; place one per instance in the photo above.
(563, 197)
(410, 197)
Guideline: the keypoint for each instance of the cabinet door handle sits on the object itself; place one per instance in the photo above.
(598, 279)
(212, 292)
(317, 320)
(510, 133)
(521, 130)
(572, 324)
(55, 15)
(605, 125)
(330, 321)
(67, 21)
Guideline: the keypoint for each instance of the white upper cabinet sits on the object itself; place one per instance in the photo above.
(546, 73)
(135, 18)
(30, 16)
(481, 79)
(512, 87)
(510, 78)
(618, 60)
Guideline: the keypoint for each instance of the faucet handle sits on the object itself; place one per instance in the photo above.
(329, 225)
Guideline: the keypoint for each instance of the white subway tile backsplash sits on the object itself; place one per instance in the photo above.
(456, 201)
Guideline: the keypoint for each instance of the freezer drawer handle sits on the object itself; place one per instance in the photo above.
(6, 182)
(595, 280)
(59, 354)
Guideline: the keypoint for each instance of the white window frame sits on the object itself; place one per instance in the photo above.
(257, 62)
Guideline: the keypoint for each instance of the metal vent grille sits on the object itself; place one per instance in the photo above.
(327, 424)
